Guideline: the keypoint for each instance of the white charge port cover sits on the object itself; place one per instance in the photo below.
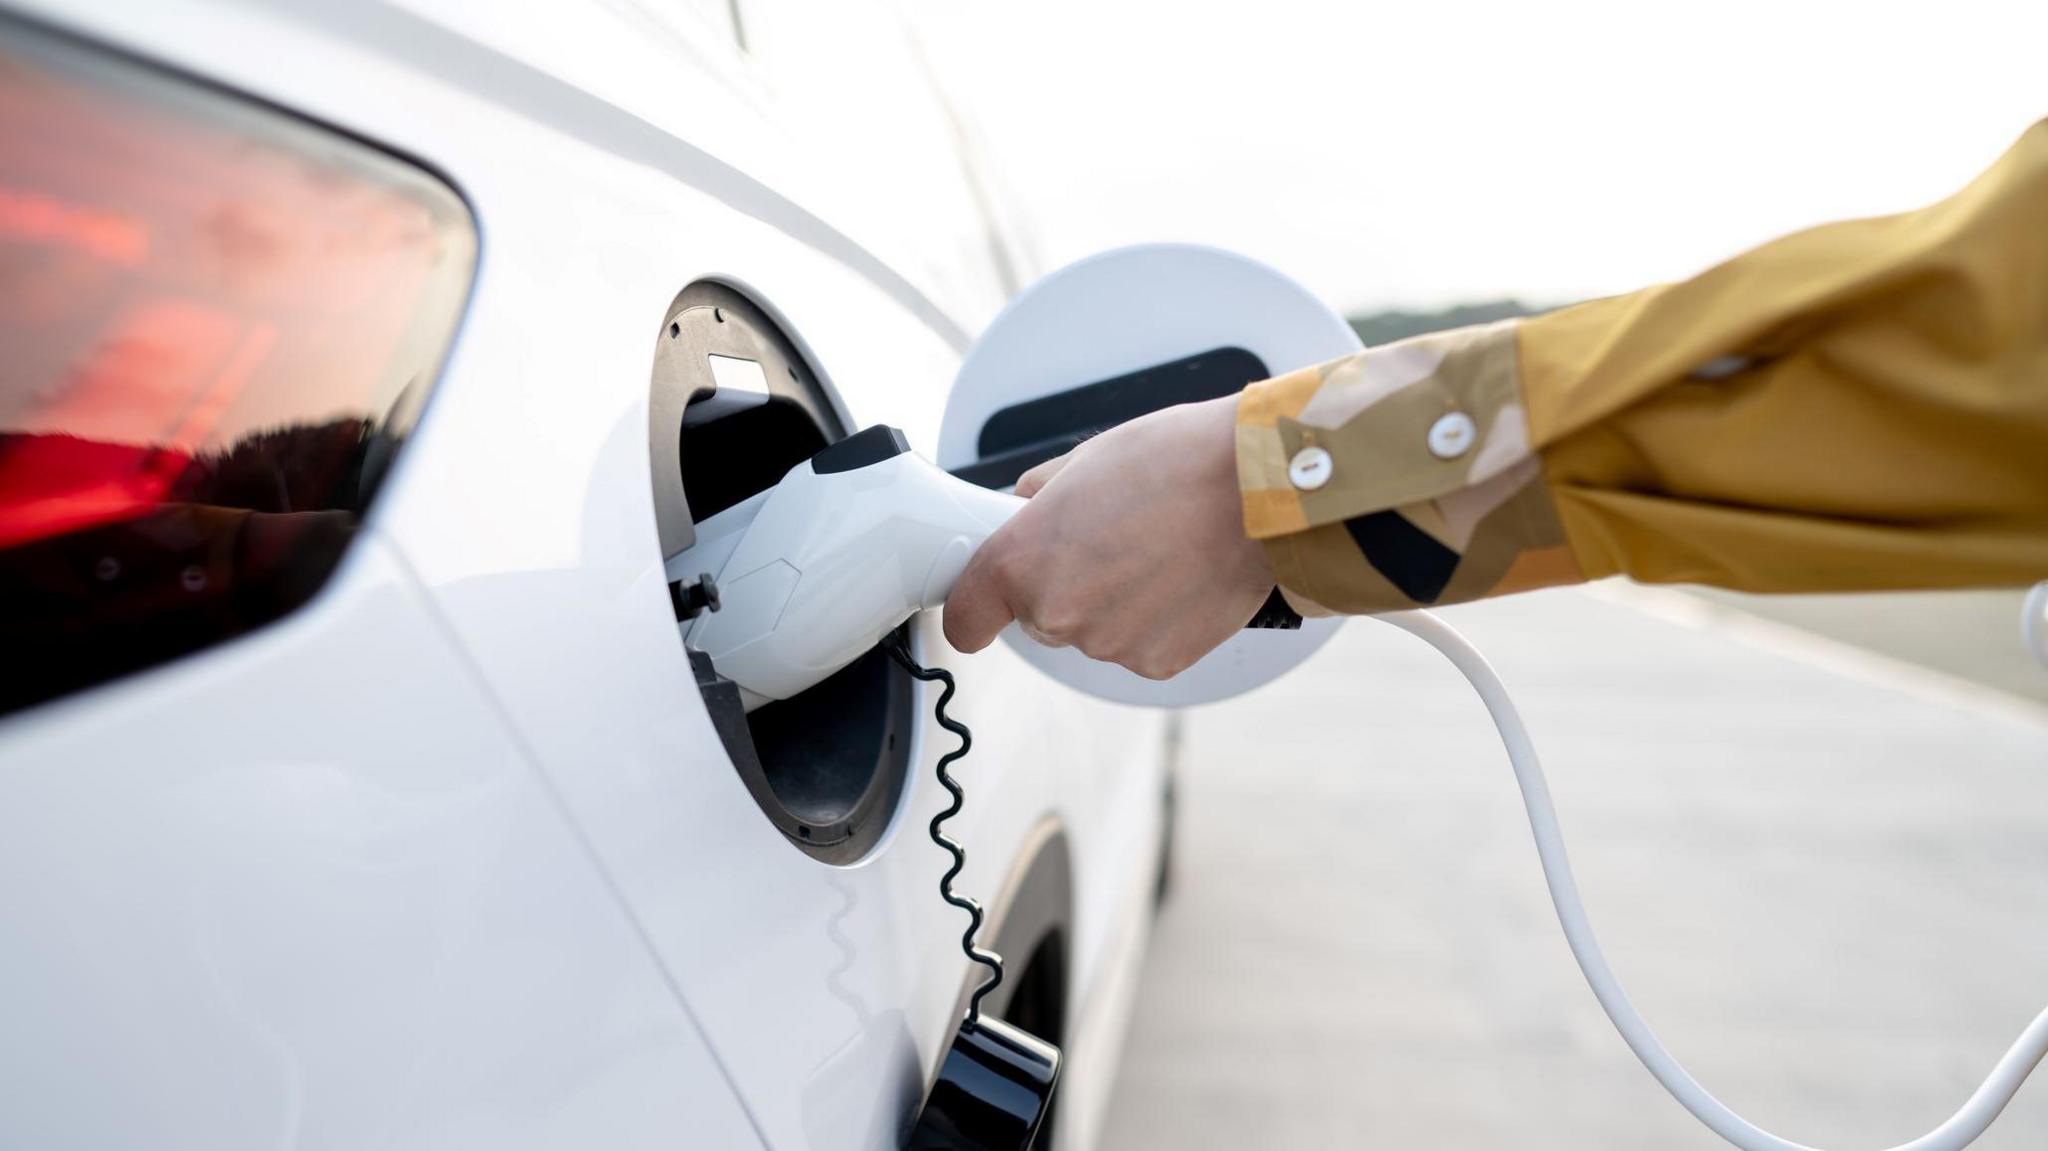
(1151, 325)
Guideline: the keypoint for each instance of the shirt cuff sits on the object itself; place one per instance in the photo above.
(1400, 476)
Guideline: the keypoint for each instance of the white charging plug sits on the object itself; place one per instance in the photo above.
(816, 570)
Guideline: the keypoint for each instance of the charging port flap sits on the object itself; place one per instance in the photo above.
(1109, 339)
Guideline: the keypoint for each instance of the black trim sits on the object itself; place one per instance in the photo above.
(728, 715)
(835, 758)
(1409, 557)
(1020, 437)
(995, 1087)
(1002, 471)
(867, 446)
(712, 448)
(1107, 403)
(1276, 613)
(1036, 904)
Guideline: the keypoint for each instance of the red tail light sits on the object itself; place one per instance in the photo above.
(218, 324)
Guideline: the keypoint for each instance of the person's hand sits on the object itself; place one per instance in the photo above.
(1132, 548)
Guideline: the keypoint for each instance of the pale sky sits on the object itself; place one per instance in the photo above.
(1417, 153)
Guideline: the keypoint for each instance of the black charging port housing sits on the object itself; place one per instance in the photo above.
(734, 405)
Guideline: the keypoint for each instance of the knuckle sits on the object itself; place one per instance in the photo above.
(1108, 649)
(1038, 637)
(1154, 666)
(1060, 620)
(1057, 634)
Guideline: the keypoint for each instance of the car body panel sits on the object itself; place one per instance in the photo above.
(608, 169)
(291, 930)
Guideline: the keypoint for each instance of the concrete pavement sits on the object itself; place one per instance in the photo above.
(1827, 891)
(1972, 635)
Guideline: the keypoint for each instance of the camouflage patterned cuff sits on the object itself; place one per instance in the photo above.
(1400, 476)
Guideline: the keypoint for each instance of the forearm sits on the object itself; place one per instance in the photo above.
(1859, 406)
(1401, 476)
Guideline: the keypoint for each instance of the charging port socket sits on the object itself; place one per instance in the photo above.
(734, 405)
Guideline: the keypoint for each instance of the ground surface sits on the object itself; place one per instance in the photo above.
(1825, 885)
(1969, 634)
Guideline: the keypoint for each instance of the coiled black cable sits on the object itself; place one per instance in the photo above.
(899, 650)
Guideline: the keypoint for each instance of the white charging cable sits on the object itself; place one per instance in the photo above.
(1959, 1131)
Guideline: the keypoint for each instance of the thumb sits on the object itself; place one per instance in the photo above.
(979, 606)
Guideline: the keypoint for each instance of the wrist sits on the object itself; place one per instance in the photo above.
(1217, 426)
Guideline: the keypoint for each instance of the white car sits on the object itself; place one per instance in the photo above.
(363, 363)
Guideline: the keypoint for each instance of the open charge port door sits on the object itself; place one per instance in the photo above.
(733, 407)
(1111, 338)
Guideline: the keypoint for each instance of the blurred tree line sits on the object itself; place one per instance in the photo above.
(1377, 328)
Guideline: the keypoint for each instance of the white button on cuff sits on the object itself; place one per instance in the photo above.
(1309, 469)
(1451, 436)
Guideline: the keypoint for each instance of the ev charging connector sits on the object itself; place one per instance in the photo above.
(813, 572)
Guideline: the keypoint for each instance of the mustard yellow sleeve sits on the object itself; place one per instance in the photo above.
(1859, 406)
